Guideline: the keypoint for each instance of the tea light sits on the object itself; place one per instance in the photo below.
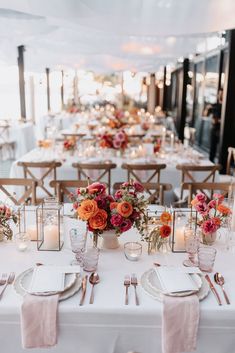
(22, 241)
(51, 237)
(132, 251)
(32, 232)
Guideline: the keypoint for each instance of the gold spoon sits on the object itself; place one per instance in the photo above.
(94, 279)
(219, 279)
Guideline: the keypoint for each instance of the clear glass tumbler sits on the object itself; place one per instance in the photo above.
(132, 251)
(90, 259)
(78, 245)
(206, 258)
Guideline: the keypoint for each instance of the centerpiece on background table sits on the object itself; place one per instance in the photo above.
(109, 216)
(6, 216)
(70, 145)
(117, 141)
(212, 215)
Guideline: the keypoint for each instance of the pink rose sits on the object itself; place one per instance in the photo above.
(125, 226)
(138, 187)
(126, 184)
(209, 226)
(219, 198)
(118, 194)
(212, 204)
(116, 220)
(201, 197)
(120, 136)
(135, 215)
(96, 188)
(117, 144)
(202, 208)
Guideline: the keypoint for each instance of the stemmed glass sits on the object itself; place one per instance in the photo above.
(192, 242)
(78, 244)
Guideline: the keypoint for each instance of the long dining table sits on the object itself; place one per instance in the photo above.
(110, 326)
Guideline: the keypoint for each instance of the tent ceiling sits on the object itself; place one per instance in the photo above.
(108, 35)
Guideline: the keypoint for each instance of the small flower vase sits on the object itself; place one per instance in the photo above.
(209, 239)
(5, 231)
(165, 246)
(110, 240)
(71, 153)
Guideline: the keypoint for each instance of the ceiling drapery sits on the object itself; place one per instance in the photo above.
(108, 35)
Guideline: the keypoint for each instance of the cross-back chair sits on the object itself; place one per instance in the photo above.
(156, 191)
(64, 188)
(45, 168)
(207, 188)
(95, 172)
(8, 187)
(151, 172)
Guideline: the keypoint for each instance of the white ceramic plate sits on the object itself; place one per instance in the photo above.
(70, 279)
(156, 292)
(154, 283)
(22, 282)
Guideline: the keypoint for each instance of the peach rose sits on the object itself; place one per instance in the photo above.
(223, 209)
(99, 220)
(165, 217)
(87, 209)
(125, 209)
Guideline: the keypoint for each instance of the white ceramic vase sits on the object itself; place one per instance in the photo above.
(110, 240)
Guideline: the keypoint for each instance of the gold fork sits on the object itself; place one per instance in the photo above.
(127, 283)
(134, 283)
(10, 280)
(3, 279)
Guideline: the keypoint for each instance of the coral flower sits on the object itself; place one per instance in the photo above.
(223, 209)
(165, 231)
(165, 217)
(125, 209)
(99, 220)
(113, 205)
(87, 209)
(217, 221)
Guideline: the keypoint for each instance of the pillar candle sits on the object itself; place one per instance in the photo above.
(179, 239)
(51, 237)
(32, 232)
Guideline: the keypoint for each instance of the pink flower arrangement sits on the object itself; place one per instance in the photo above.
(6, 215)
(117, 141)
(212, 214)
(102, 212)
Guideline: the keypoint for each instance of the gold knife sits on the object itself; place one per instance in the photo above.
(84, 284)
(214, 291)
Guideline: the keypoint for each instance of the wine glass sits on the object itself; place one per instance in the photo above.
(192, 242)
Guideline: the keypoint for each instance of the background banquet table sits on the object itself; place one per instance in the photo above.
(108, 326)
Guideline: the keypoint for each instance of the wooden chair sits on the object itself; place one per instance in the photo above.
(192, 173)
(28, 196)
(46, 169)
(155, 190)
(152, 170)
(63, 187)
(102, 171)
(194, 188)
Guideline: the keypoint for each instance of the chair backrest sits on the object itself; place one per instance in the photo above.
(46, 168)
(95, 172)
(151, 172)
(197, 173)
(63, 187)
(156, 191)
(194, 188)
(230, 161)
(28, 195)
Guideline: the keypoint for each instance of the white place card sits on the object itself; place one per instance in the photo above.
(46, 281)
(174, 280)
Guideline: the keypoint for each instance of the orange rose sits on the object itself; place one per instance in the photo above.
(165, 231)
(113, 205)
(165, 217)
(99, 220)
(125, 209)
(87, 209)
(224, 209)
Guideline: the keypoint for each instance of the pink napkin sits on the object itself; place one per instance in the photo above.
(180, 324)
(39, 321)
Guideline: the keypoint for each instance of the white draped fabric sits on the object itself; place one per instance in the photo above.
(109, 35)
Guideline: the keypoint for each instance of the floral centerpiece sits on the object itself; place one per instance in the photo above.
(109, 215)
(69, 144)
(117, 141)
(158, 237)
(6, 215)
(212, 215)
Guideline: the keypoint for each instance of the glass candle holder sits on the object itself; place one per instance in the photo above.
(91, 259)
(132, 251)
(22, 241)
(206, 258)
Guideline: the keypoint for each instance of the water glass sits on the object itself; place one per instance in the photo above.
(22, 241)
(192, 242)
(78, 245)
(90, 259)
(132, 251)
(206, 258)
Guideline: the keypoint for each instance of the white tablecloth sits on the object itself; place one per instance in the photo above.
(24, 136)
(108, 326)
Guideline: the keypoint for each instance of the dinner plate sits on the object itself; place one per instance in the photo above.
(156, 292)
(26, 279)
(154, 283)
(22, 280)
